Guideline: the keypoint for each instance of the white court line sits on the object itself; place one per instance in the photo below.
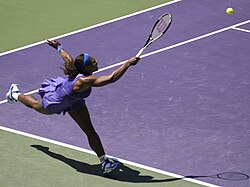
(198, 38)
(93, 153)
(240, 29)
(91, 27)
(28, 93)
(164, 49)
(114, 65)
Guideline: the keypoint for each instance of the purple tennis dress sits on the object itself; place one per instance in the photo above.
(58, 95)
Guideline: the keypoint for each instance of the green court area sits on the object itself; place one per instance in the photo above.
(29, 162)
(29, 21)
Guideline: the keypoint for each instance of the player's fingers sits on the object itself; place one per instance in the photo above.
(49, 42)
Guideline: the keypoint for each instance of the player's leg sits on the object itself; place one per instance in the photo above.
(32, 102)
(82, 118)
(13, 95)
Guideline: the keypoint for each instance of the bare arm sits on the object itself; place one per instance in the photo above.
(94, 81)
(64, 54)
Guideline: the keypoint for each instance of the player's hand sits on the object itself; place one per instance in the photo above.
(133, 61)
(53, 43)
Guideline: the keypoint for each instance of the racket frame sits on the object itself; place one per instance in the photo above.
(150, 40)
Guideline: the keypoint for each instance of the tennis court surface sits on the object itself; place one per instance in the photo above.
(177, 118)
(39, 163)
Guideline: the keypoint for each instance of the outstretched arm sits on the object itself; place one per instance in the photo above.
(64, 54)
(94, 81)
(117, 74)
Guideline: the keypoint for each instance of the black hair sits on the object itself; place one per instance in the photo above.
(69, 69)
(79, 65)
(73, 68)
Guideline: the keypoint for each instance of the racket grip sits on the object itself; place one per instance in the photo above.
(140, 52)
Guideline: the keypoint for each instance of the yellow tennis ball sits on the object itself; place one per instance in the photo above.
(230, 10)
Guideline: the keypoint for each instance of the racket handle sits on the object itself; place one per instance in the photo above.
(140, 52)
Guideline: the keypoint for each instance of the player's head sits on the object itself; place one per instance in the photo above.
(85, 64)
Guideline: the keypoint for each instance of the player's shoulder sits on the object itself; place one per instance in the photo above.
(87, 79)
(84, 82)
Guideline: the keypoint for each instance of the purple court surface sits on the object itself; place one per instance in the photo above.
(184, 110)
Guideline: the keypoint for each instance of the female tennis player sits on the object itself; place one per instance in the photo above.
(67, 95)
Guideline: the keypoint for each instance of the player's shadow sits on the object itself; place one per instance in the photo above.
(127, 174)
(124, 173)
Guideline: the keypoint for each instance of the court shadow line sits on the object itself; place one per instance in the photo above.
(123, 174)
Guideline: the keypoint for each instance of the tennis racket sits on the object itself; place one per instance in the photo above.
(159, 29)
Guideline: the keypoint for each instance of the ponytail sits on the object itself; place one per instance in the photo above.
(70, 70)
(73, 68)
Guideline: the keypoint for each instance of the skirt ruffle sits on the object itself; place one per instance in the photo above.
(53, 102)
(50, 86)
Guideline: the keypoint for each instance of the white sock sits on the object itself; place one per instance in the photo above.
(15, 95)
(102, 158)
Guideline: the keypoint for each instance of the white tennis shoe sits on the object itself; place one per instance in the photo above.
(13, 89)
(109, 165)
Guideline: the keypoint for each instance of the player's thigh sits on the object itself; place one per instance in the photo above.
(82, 117)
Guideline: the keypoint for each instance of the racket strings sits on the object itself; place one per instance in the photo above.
(161, 26)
